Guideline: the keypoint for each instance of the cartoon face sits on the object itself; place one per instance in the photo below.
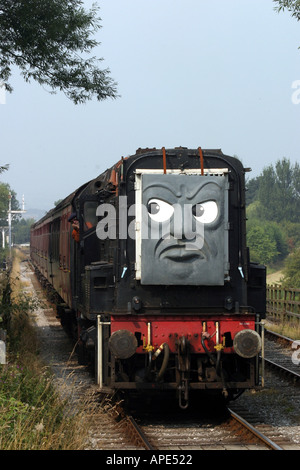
(184, 240)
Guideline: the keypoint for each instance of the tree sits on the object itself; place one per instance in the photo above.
(279, 192)
(273, 212)
(5, 190)
(292, 270)
(293, 235)
(293, 6)
(266, 241)
(3, 168)
(262, 246)
(252, 186)
(22, 230)
(45, 38)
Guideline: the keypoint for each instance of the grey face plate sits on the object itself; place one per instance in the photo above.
(184, 229)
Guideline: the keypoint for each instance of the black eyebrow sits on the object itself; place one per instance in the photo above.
(161, 185)
(191, 196)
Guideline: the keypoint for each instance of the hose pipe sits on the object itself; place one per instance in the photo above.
(209, 354)
(165, 362)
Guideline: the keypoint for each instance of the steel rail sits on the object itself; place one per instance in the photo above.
(278, 335)
(293, 374)
(254, 431)
(141, 436)
(290, 341)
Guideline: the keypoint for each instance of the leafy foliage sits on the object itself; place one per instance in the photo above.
(273, 213)
(266, 241)
(293, 6)
(3, 168)
(279, 192)
(45, 38)
(252, 189)
(292, 270)
(32, 415)
(22, 230)
(4, 197)
(263, 248)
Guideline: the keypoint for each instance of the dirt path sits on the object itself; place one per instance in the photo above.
(275, 278)
(56, 349)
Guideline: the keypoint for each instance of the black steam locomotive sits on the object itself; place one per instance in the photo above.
(150, 264)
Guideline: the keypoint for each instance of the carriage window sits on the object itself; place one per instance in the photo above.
(89, 215)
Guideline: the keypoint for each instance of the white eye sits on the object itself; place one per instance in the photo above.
(206, 213)
(159, 210)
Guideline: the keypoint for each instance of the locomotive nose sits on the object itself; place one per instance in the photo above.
(247, 343)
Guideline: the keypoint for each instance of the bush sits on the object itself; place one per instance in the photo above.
(292, 270)
(266, 241)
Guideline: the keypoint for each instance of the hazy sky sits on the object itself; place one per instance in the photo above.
(209, 73)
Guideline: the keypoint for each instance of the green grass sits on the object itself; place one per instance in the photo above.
(33, 415)
(288, 329)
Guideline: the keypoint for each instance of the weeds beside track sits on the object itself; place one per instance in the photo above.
(32, 414)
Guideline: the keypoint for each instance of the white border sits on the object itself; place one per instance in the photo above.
(138, 203)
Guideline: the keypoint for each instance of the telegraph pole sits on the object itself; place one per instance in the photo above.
(10, 212)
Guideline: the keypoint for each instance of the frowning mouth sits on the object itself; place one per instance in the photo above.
(180, 253)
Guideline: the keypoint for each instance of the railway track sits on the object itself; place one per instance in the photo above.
(281, 354)
(232, 433)
(242, 429)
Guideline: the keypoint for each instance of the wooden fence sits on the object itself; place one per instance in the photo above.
(283, 303)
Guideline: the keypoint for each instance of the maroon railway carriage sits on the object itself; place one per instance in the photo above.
(159, 288)
(50, 250)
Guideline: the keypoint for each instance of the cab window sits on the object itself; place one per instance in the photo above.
(89, 215)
